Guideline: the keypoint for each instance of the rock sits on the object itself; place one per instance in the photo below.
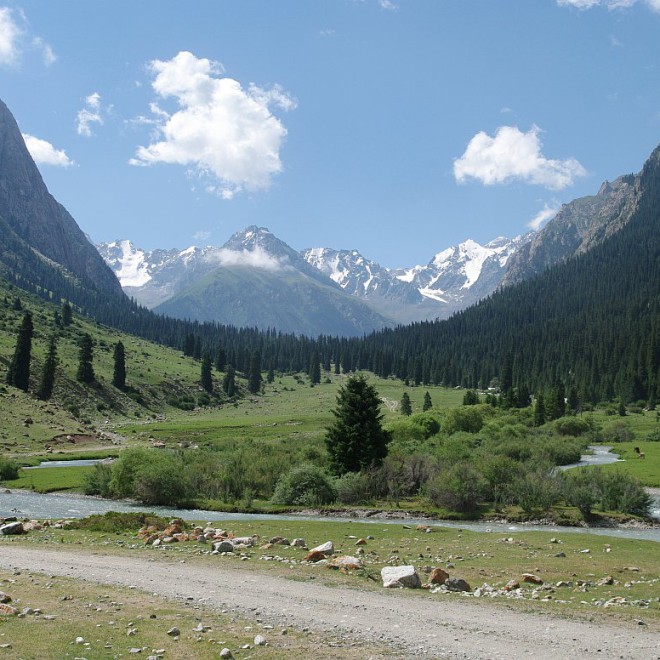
(7, 610)
(135, 649)
(457, 584)
(226, 653)
(511, 585)
(247, 541)
(531, 578)
(327, 548)
(605, 581)
(260, 640)
(400, 577)
(438, 576)
(223, 546)
(4, 598)
(12, 528)
(314, 556)
(361, 542)
(80, 640)
(174, 632)
(298, 543)
(344, 561)
(560, 554)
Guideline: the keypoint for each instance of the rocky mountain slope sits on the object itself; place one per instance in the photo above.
(33, 221)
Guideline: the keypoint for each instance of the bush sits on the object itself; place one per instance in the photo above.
(535, 491)
(619, 431)
(573, 426)
(97, 482)
(305, 485)
(8, 469)
(355, 488)
(457, 488)
(160, 481)
(115, 521)
(467, 418)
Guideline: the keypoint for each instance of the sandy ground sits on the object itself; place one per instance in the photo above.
(433, 627)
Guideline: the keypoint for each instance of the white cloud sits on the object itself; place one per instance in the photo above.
(654, 5)
(10, 34)
(221, 130)
(14, 39)
(257, 258)
(202, 235)
(44, 153)
(90, 114)
(387, 4)
(513, 155)
(546, 213)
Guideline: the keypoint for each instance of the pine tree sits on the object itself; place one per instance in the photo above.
(48, 373)
(220, 359)
(85, 373)
(254, 373)
(189, 345)
(206, 376)
(356, 440)
(539, 411)
(315, 369)
(557, 407)
(428, 404)
(19, 369)
(119, 371)
(67, 315)
(573, 399)
(229, 381)
(406, 406)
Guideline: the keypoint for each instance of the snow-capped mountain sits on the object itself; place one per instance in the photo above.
(453, 279)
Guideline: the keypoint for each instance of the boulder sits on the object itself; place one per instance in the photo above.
(605, 581)
(531, 578)
(314, 556)
(4, 598)
(344, 561)
(438, 576)
(327, 548)
(7, 610)
(223, 546)
(401, 577)
(298, 543)
(512, 585)
(457, 584)
(12, 528)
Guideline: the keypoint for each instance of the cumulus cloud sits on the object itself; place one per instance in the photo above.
(546, 213)
(221, 130)
(14, 39)
(257, 258)
(10, 35)
(89, 115)
(654, 5)
(44, 153)
(514, 156)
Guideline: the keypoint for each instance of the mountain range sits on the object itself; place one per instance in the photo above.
(327, 291)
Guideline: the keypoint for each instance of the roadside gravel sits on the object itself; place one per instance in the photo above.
(437, 627)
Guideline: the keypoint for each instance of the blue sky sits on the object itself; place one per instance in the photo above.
(395, 127)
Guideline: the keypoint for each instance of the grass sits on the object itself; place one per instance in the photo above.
(647, 470)
(48, 480)
(479, 558)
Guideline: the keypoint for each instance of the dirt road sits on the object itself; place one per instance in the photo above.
(433, 627)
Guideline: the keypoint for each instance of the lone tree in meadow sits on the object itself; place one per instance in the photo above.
(48, 373)
(85, 373)
(119, 371)
(428, 404)
(254, 373)
(19, 368)
(356, 440)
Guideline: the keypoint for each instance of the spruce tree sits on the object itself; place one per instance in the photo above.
(67, 315)
(48, 373)
(406, 406)
(85, 373)
(206, 376)
(539, 411)
(19, 368)
(119, 371)
(220, 359)
(315, 369)
(229, 381)
(254, 373)
(428, 404)
(356, 440)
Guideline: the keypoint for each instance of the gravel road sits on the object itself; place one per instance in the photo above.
(433, 627)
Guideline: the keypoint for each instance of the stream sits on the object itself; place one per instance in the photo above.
(27, 504)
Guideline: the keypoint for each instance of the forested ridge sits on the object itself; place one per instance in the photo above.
(592, 322)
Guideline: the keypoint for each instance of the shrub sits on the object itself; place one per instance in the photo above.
(115, 521)
(467, 418)
(160, 481)
(8, 469)
(535, 491)
(573, 426)
(457, 488)
(305, 485)
(355, 488)
(97, 482)
(619, 431)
